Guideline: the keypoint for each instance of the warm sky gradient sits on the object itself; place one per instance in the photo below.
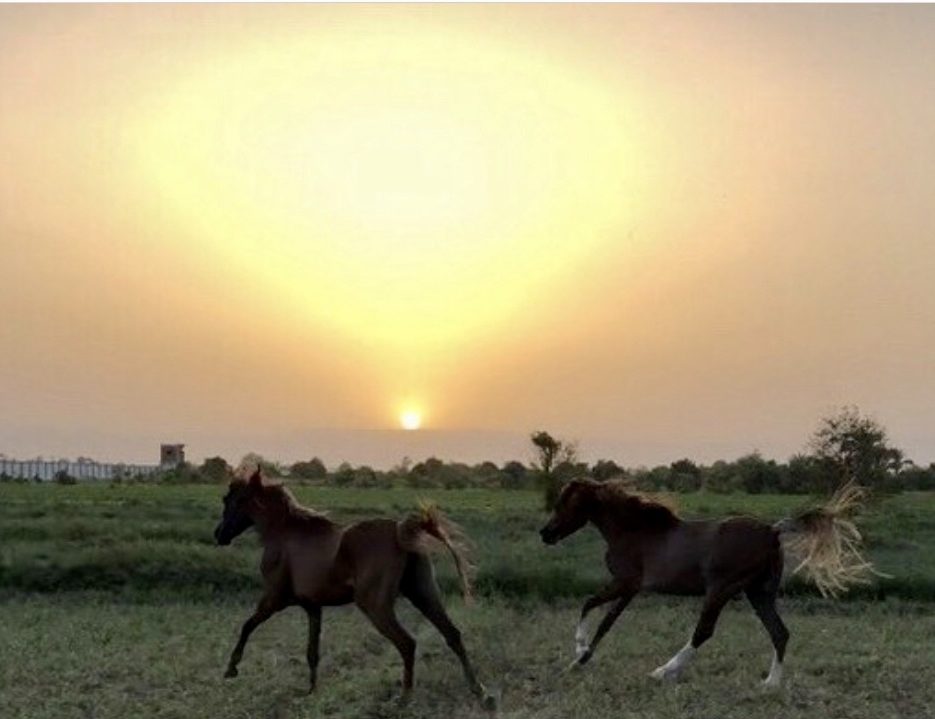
(661, 230)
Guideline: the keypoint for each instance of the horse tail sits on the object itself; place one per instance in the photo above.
(826, 542)
(429, 520)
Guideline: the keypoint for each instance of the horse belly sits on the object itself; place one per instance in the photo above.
(315, 579)
(675, 567)
(683, 579)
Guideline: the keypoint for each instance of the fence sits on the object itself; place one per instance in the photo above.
(46, 470)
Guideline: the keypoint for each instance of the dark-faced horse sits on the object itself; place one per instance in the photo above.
(649, 548)
(313, 562)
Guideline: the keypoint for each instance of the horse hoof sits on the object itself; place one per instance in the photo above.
(489, 703)
(230, 673)
(664, 674)
(769, 685)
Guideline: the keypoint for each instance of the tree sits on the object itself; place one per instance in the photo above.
(917, 478)
(513, 475)
(312, 469)
(551, 452)
(344, 476)
(685, 476)
(757, 475)
(547, 450)
(215, 469)
(803, 475)
(720, 477)
(365, 476)
(850, 446)
(427, 473)
(605, 469)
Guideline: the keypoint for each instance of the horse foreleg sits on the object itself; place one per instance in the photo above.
(264, 611)
(614, 590)
(314, 636)
(606, 623)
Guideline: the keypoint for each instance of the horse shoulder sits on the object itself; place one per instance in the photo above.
(624, 560)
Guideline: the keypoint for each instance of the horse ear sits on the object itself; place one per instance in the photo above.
(256, 479)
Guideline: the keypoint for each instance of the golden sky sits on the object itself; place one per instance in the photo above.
(661, 230)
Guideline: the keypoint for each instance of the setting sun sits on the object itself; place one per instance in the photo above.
(410, 419)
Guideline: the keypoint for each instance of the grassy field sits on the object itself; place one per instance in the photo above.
(114, 602)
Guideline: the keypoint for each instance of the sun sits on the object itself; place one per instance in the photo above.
(410, 419)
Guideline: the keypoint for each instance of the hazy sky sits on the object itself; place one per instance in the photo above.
(661, 230)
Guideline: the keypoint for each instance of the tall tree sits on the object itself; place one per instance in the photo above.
(851, 446)
(551, 452)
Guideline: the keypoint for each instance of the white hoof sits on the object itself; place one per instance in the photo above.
(672, 669)
(774, 678)
(665, 673)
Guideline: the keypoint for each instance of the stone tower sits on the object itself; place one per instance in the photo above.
(171, 455)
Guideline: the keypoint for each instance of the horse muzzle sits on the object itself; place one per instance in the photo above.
(221, 537)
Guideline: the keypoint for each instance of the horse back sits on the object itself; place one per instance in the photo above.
(694, 555)
(742, 546)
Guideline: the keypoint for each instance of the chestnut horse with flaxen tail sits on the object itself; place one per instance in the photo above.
(649, 548)
(313, 562)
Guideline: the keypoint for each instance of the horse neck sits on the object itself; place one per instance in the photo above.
(274, 520)
(268, 523)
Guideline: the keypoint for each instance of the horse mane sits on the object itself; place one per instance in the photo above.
(638, 509)
(279, 504)
(294, 510)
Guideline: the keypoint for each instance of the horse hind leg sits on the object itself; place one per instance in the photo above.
(764, 604)
(419, 587)
(704, 629)
(383, 616)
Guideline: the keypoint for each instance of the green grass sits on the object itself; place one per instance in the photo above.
(90, 656)
(135, 538)
(114, 602)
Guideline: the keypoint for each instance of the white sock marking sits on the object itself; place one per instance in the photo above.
(672, 668)
(582, 642)
(774, 679)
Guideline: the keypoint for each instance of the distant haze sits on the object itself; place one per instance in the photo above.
(663, 231)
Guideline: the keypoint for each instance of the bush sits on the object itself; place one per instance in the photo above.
(215, 469)
(62, 477)
(514, 475)
(312, 469)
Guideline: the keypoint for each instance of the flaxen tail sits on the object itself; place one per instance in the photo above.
(826, 543)
(429, 520)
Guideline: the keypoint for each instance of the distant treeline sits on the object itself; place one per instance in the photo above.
(845, 446)
(802, 474)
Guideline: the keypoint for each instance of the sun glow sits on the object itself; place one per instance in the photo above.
(410, 419)
(409, 188)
